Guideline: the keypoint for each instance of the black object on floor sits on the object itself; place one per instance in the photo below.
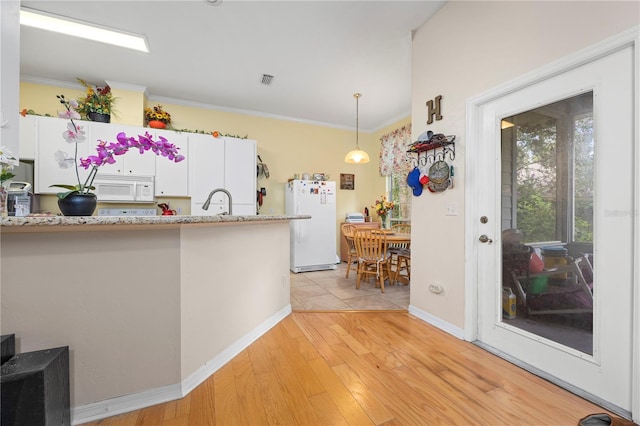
(7, 347)
(602, 419)
(35, 389)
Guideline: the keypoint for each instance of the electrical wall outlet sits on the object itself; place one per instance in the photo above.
(436, 288)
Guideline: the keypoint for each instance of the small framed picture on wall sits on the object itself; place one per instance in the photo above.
(347, 181)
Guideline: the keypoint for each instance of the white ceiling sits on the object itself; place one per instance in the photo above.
(319, 52)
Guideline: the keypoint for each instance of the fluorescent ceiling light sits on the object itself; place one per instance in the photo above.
(72, 27)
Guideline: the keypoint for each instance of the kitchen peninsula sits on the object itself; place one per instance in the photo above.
(149, 306)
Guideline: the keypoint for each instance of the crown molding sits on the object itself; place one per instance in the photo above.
(164, 100)
(50, 82)
(126, 86)
(393, 120)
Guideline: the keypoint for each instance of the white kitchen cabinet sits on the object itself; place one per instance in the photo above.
(130, 164)
(172, 179)
(50, 140)
(240, 170)
(228, 163)
(206, 171)
(28, 135)
(240, 174)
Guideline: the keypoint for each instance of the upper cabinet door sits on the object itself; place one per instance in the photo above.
(28, 135)
(130, 164)
(206, 167)
(50, 140)
(240, 170)
(172, 179)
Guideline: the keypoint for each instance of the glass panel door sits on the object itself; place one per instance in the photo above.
(547, 213)
(553, 187)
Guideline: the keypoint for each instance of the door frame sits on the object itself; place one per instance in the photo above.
(473, 176)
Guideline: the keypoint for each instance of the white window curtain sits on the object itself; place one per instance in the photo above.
(393, 152)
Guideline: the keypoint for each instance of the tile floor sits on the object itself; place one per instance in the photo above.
(330, 290)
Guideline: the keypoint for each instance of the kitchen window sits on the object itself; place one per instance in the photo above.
(400, 193)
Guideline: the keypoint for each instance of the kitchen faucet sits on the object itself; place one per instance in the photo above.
(205, 206)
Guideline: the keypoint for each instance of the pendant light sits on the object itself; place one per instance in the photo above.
(357, 156)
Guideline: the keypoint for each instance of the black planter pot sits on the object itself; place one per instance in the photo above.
(96, 116)
(78, 204)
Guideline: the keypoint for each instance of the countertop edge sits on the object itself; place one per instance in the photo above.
(51, 223)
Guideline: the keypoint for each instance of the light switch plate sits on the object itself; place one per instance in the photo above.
(452, 209)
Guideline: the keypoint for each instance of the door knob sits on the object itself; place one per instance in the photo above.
(484, 239)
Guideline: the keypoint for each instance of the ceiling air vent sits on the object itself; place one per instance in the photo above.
(266, 79)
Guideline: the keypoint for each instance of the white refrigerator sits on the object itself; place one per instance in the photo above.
(313, 241)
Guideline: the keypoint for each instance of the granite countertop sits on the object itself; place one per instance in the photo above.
(46, 223)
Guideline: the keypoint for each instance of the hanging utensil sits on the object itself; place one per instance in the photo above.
(262, 168)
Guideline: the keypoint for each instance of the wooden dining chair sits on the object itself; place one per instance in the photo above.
(400, 253)
(347, 231)
(403, 264)
(372, 258)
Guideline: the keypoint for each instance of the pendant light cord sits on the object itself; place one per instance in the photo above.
(357, 96)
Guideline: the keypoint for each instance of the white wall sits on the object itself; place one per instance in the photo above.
(112, 297)
(464, 50)
(234, 277)
(9, 74)
(145, 313)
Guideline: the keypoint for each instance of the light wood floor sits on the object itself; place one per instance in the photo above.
(364, 368)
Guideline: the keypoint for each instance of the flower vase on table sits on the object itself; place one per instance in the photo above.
(383, 207)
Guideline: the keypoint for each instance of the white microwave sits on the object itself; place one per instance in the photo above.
(117, 188)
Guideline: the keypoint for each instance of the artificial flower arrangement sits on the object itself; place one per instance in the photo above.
(382, 207)
(97, 99)
(157, 114)
(106, 151)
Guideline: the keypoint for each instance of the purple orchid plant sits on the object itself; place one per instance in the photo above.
(105, 151)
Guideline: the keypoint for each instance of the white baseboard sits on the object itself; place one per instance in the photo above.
(204, 372)
(437, 322)
(124, 404)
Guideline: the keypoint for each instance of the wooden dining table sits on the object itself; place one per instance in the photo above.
(397, 238)
(392, 238)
